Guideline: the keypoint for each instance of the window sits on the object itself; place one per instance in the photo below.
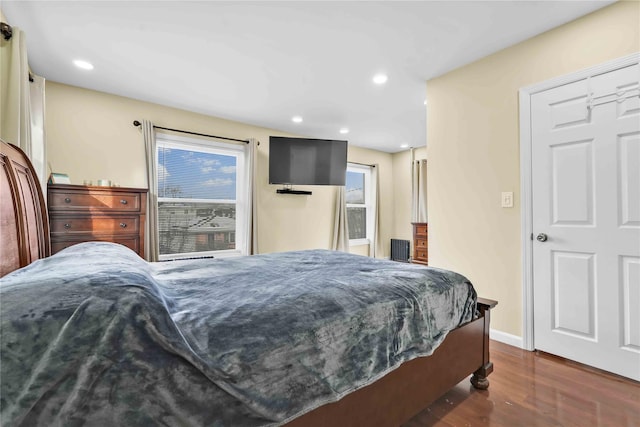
(359, 204)
(202, 197)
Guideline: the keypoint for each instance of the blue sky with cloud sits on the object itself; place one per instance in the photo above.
(196, 175)
(354, 187)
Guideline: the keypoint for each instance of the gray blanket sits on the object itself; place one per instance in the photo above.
(94, 335)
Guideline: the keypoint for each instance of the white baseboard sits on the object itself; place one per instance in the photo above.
(505, 338)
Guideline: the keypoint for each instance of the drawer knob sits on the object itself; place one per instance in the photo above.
(123, 201)
(67, 200)
(123, 224)
(67, 225)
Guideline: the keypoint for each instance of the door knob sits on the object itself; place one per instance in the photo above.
(541, 237)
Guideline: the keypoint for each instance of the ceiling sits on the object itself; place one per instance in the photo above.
(264, 62)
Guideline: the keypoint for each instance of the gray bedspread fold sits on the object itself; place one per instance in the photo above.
(94, 335)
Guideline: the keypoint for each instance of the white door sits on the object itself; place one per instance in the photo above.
(586, 203)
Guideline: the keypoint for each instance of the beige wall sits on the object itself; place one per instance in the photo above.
(473, 149)
(402, 192)
(402, 195)
(90, 136)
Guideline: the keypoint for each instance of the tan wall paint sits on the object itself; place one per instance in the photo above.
(402, 195)
(402, 192)
(473, 149)
(90, 136)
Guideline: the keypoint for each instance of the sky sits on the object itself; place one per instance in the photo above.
(189, 174)
(354, 186)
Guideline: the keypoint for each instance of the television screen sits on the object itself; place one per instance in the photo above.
(303, 161)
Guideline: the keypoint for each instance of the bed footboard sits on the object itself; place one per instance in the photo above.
(403, 393)
(479, 378)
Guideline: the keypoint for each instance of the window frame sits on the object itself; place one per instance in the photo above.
(241, 201)
(368, 204)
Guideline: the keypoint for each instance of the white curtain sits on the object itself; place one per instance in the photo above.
(252, 169)
(419, 191)
(21, 105)
(38, 147)
(340, 240)
(151, 229)
(377, 249)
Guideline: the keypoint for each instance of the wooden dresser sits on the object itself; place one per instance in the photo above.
(420, 243)
(80, 213)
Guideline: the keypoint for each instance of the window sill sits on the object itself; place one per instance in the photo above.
(359, 242)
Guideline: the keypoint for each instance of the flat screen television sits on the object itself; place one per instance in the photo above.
(304, 161)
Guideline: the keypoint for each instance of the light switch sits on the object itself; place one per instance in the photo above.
(507, 199)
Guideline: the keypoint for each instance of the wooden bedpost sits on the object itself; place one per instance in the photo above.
(479, 378)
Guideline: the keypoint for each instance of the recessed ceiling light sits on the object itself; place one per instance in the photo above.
(404, 146)
(425, 102)
(380, 79)
(296, 119)
(83, 64)
(344, 130)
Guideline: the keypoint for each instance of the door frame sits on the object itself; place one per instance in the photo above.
(526, 189)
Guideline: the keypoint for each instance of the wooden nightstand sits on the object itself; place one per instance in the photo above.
(420, 243)
(80, 213)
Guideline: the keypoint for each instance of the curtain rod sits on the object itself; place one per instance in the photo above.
(6, 30)
(362, 164)
(136, 123)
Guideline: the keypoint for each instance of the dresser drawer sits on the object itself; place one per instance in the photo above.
(95, 224)
(132, 242)
(420, 230)
(420, 244)
(421, 255)
(94, 200)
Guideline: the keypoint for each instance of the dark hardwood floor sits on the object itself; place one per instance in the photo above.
(537, 389)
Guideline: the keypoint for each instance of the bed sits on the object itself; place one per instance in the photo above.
(94, 335)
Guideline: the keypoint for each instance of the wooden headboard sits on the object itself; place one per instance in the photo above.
(24, 225)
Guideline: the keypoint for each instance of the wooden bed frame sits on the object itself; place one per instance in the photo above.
(24, 224)
(390, 401)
